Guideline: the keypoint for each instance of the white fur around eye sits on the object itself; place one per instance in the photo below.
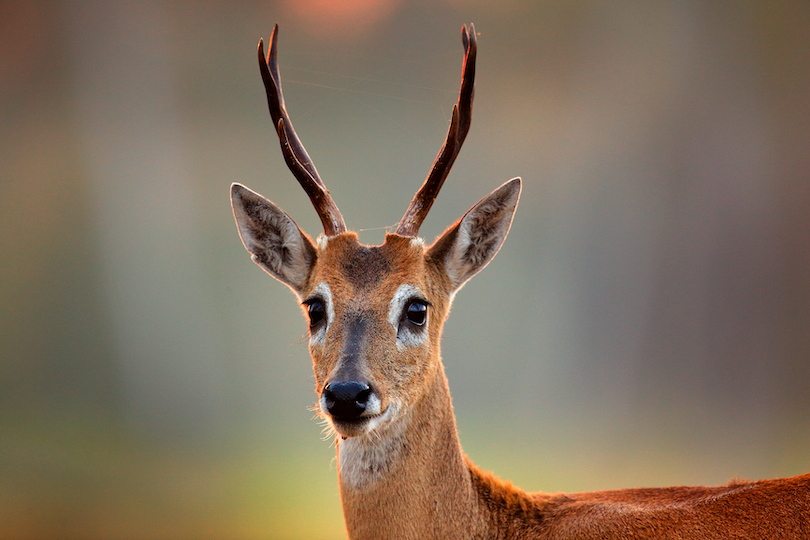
(324, 292)
(405, 336)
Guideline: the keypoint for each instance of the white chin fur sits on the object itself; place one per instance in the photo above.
(365, 458)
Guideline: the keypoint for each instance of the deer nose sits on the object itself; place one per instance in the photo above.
(346, 400)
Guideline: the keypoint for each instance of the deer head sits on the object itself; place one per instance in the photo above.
(375, 312)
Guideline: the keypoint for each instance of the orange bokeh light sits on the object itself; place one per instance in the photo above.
(349, 17)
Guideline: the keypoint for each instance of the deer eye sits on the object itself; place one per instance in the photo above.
(316, 311)
(416, 312)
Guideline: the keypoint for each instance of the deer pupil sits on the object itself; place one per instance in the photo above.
(416, 312)
(316, 312)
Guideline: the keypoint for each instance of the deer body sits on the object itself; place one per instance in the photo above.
(375, 322)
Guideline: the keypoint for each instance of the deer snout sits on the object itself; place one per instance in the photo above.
(349, 400)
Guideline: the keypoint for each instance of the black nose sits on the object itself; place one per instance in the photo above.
(346, 400)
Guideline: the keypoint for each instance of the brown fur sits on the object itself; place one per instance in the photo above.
(773, 509)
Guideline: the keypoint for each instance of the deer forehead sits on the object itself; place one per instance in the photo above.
(369, 276)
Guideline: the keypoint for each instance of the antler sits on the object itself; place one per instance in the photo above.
(294, 153)
(459, 126)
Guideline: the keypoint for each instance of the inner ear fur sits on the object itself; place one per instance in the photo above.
(468, 245)
(273, 239)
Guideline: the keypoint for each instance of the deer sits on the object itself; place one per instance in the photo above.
(375, 315)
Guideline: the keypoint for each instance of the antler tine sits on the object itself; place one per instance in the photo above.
(459, 126)
(295, 155)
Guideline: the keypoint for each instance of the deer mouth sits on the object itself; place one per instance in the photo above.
(351, 427)
(355, 427)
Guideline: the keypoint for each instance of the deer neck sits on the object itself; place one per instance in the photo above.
(413, 480)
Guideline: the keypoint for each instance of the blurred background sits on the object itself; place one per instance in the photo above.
(646, 323)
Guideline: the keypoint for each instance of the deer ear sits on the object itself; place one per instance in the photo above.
(272, 238)
(468, 246)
